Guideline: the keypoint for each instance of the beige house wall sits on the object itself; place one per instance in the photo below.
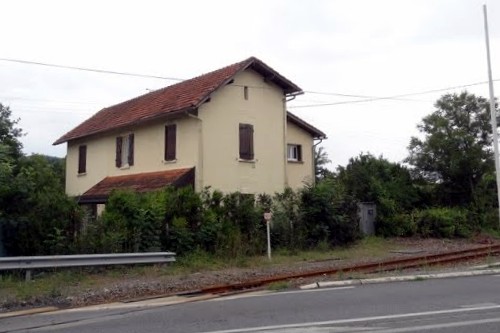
(300, 173)
(210, 142)
(264, 109)
(149, 145)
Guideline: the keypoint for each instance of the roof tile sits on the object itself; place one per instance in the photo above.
(179, 97)
(141, 182)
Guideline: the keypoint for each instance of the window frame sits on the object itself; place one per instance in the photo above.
(124, 151)
(297, 149)
(246, 142)
(170, 148)
(82, 159)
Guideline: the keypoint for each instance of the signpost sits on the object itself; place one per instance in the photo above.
(268, 217)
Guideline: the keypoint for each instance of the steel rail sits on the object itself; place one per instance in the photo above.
(83, 260)
(372, 267)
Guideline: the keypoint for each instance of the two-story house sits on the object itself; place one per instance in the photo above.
(228, 129)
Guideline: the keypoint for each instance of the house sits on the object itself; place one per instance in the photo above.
(228, 129)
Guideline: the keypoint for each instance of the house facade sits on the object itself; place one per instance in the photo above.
(228, 129)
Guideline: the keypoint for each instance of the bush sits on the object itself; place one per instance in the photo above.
(443, 223)
(328, 215)
(398, 225)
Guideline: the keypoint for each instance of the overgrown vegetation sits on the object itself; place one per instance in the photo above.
(446, 190)
(230, 225)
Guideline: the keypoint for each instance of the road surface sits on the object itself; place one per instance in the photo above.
(469, 304)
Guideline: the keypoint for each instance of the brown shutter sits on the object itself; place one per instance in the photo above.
(170, 142)
(82, 159)
(118, 159)
(130, 157)
(299, 153)
(246, 142)
(250, 141)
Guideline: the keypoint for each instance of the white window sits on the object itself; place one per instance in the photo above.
(294, 153)
(125, 146)
(124, 151)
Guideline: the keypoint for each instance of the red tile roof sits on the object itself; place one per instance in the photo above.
(180, 97)
(141, 182)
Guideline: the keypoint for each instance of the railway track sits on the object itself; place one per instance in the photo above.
(372, 267)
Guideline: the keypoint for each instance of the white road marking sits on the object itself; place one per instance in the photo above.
(277, 293)
(480, 305)
(426, 328)
(357, 320)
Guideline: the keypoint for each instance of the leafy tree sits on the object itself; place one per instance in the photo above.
(10, 133)
(375, 179)
(320, 161)
(455, 155)
(38, 217)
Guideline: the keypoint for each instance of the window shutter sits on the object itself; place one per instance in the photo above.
(82, 159)
(130, 158)
(246, 142)
(170, 142)
(118, 159)
(299, 152)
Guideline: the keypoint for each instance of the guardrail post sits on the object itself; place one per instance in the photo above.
(28, 274)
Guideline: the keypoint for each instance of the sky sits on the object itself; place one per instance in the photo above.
(330, 48)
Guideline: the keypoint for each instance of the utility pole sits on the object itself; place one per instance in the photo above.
(492, 111)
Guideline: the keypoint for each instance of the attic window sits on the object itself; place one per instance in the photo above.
(245, 92)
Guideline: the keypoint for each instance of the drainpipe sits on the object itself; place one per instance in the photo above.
(314, 159)
(199, 167)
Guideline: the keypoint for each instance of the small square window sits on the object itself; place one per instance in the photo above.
(294, 153)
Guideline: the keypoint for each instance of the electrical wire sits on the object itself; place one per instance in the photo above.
(102, 71)
(364, 99)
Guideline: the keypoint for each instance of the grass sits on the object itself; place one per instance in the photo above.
(278, 286)
(63, 283)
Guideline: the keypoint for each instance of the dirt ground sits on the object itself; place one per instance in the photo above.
(127, 288)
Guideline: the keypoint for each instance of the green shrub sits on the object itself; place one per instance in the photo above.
(328, 215)
(443, 223)
(398, 225)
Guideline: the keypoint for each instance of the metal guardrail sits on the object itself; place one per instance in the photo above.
(81, 260)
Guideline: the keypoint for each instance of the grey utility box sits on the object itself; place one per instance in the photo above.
(367, 212)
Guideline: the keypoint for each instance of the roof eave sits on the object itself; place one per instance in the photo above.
(138, 122)
(316, 133)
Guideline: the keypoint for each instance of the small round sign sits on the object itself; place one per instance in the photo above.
(268, 216)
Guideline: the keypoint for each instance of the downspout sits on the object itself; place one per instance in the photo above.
(314, 159)
(199, 167)
(287, 98)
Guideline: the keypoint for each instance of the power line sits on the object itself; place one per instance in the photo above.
(364, 100)
(392, 97)
(91, 69)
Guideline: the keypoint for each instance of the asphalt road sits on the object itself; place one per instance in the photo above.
(446, 305)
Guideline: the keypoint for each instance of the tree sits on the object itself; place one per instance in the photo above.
(320, 160)
(10, 134)
(374, 179)
(455, 155)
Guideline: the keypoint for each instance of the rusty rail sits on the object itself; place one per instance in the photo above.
(372, 267)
